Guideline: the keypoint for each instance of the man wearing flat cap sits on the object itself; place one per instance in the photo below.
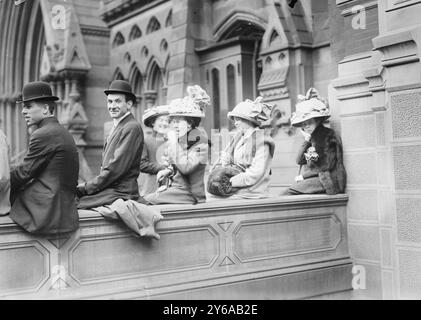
(121, 156)
(43, 186)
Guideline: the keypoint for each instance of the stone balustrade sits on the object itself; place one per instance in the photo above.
(278, 248)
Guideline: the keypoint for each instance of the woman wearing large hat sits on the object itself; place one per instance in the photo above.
(243, 171)
(320, 157)
(186, 152)
(157, 119)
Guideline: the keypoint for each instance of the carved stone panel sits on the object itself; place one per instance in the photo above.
(292, 236)
(96, 258)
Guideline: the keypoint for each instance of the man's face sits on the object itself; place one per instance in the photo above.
(117, 105)
(34, 112)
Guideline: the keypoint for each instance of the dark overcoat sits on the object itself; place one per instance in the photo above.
(327, 173)
(43, 187)
(117, 178)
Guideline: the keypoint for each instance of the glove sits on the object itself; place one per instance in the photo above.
(299, 178)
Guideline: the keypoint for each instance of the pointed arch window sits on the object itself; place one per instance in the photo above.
(135, 33)
(118, 40)
(157, 84)
(216, 99)
(153, 25)
(118, 75)
(168, 21)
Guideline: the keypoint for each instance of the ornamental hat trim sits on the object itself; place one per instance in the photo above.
(256, 111)
(152, 113)
(193, 105)
(309, 107)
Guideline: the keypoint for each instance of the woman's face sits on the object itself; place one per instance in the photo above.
(309, 125)
(161, 124)
(242, 125)
(180, 126)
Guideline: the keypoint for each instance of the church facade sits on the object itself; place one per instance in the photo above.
(363, 55)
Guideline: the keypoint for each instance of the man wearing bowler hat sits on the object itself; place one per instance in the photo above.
(43, 186)
(121, 155)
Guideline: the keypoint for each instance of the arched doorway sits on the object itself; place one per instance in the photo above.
(22, 41)
(232, 70)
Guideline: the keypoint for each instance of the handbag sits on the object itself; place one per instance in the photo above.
(219, 179)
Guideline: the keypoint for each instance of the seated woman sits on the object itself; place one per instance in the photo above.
(150, 164)
(320, 156)
(182, 182)
(243, 171)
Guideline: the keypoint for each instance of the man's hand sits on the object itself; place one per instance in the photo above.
(299, 178)
(81, 190)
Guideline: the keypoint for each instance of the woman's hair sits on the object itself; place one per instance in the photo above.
(193, 122)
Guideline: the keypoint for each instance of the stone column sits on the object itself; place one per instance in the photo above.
(150, 98)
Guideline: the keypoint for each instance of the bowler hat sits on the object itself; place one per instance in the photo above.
(37, 90)
(121, 86)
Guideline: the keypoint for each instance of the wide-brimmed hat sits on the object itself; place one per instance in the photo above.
(152, 113)
(121, 86)
(256, 111)
(193, 105)
(37, 90)
(310, 106)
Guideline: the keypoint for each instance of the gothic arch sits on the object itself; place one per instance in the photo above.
(168, 21)
(136, 79)
(118, 40)
(235, 18)
(135, 33)
(153, 25)
(22, 40)
(118, 75)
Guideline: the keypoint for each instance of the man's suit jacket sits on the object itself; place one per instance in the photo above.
(43, 187)
(119, 169)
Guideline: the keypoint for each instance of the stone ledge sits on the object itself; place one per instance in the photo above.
(275, 248)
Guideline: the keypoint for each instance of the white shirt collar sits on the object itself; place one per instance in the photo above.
(117, 121)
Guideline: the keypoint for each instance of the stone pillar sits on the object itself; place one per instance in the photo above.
(150, 98)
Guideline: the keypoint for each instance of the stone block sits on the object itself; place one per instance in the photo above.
(362, 205)
(407, 167)
(408, 219)
(406, 115)
(409, 274)
(361, 168)
(364, 242)
(358, 132)
(386, 245)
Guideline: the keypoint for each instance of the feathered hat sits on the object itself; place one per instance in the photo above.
(193, 105)
(152, 113)
(312, 105)
(255, 111)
